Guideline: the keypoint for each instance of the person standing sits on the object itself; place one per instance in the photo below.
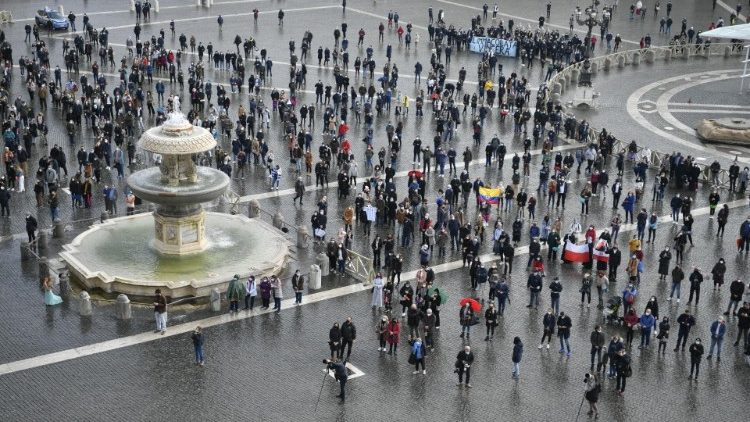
(624, 371)
(31, 226)
(490, 318)
(341, 375)
(381, 329)
(334, 339)
(198, 340)
(593, 388)
(647, 322)
(696, 354)
(278, 294)
(348, 335)
(394, 335)
(417, 355)
(677, 276)
(555, 289)
(298, 284)
(696, 278)
(597, 344)
(464, 360)
(235, 291)
(743, 324)
(549, 322)
(718, 329)
(663, 335)
(466, 317)
(251, 292)
(265, 292)
(377, 292)
(686, 322)
(736, 290)
(563, 332)
(516, 357)
(160, 312)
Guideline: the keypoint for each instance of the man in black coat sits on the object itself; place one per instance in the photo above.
(340, 373)
(348, 335)
(464, 360)
(31, 225)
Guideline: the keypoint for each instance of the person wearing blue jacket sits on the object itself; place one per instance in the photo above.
(718, 329)
(516, 358)
(647, 325)
(628, 204)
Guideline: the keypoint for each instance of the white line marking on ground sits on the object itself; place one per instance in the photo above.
(119, 343)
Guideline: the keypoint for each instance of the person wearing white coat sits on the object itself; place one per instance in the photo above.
(377, 292)
(250, 293)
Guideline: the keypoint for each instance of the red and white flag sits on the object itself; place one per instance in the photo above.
(576, 252)
(600, 251)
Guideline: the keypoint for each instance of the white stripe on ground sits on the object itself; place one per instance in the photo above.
(120, 343)
(533, 21)
(191, 5)
(730, 10)
(291, 191)
(707, 106)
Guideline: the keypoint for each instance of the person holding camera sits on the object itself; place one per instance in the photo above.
(340, 373)
(464, 359)
(563, 332)
(696, 354)
(593, 388)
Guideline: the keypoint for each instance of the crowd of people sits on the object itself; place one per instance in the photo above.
(397, 223)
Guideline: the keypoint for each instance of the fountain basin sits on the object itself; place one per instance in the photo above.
(147, 184)
(119, 256)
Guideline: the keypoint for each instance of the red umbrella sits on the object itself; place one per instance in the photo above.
(415, 174)
(475, 306)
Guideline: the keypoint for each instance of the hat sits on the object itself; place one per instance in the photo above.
(236, 277)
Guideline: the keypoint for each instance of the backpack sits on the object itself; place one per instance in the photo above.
(629, 298)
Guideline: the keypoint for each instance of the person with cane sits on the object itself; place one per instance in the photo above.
(341, 375)
(593, 388)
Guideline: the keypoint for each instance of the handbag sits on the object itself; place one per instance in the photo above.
(412, 359)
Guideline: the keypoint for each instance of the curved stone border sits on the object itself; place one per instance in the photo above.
(570, 75)
(99, 278)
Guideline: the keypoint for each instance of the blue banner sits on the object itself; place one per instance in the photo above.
(500, 46)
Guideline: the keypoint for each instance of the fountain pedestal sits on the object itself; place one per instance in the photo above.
(180, 235)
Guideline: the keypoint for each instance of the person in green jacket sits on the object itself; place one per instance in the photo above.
(235, 291)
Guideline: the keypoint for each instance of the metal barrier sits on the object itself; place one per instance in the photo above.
(570, 74)
(360, 267)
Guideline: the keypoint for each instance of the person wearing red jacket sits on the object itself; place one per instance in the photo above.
(394, 332)
(630, 320)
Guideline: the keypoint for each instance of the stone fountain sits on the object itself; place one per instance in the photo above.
(179, 248)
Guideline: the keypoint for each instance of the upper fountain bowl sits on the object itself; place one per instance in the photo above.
(177, 136)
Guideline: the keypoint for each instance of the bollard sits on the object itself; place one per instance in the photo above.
(123, 308)
(727, 51)
(667, 55)
(65, 284)
(650, 55)
(621, 61)
(58, 229)
(315, 277)
(278, 220)
(303, 237)
(636, 58)
(43, 268)
(25, 251)
(575, 74)
(41, 242)
(104, 216)
(132, 5)
(61, 10)
(594, 67)
(556, 88)
(215, 300)
(322, 261)
(253, 208)
(84, 304)
(156, 6)
(607, 63)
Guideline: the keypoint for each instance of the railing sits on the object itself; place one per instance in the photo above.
(570, 74)
(360, 267)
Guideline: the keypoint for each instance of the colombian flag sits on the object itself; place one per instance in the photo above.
(490, 195)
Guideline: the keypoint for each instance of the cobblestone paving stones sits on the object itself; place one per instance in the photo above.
(268, 366)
